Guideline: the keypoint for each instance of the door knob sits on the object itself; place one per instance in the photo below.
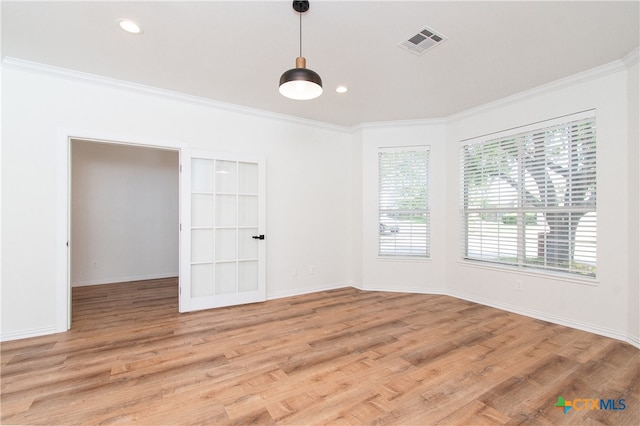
(258, 237)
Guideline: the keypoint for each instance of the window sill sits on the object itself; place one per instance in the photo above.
(558, 276)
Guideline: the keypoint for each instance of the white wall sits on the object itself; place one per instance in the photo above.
(308, 181)
(322, 194)
(380, 273)
(607, 306)
(124, 213)
(599, 306)
(357, 182)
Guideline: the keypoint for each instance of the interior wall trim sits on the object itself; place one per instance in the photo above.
(407, 289)
(25, 334)
(611, 68)
(36, 67)
(114, 280)
(616, 66)
(554, 319)
(633, 340)
(581, 77)
(632, 58)
(304, 290)
(602, 331)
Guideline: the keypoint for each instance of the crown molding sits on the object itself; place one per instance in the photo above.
(632, 57)
(582, 77)
(622, 64)
(50, 70)
(402, 123)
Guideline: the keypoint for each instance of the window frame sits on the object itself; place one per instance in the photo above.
(524, 209)
(403, 251)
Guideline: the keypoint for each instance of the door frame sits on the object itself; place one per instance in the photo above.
(63, 213)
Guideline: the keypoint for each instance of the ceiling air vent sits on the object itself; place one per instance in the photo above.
(424, 40)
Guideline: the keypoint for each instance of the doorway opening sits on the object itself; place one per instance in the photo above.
(123, 215)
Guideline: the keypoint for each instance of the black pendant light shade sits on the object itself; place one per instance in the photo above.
(300, 82)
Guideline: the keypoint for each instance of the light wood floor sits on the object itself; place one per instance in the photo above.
(336, 357)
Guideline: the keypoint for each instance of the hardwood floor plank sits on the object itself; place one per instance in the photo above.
(343, 356)
(475, 413)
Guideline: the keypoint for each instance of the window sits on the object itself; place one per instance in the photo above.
(403, 175)
(529, 198)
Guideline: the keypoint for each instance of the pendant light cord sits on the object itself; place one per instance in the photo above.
(300, 35)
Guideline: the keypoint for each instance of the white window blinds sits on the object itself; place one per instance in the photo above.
(403, 178)
(529, 199)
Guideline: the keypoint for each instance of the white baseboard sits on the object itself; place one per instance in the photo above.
(591, 328)
(567, 322)
(356, 285)
(305, 290)
(417, 290)
(633, 340)
(25, 334)
(114, 280)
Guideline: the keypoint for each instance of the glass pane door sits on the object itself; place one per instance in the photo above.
(225, 250)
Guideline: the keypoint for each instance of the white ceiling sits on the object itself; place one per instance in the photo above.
(235, 51)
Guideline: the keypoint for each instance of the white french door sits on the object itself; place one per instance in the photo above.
(222, 247)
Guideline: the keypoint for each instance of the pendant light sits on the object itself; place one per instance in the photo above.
(300, 82)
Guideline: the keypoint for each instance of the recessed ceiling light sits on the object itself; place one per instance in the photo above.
(130, 26)
(341, 89)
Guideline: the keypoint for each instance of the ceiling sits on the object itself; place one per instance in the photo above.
(235, 51)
